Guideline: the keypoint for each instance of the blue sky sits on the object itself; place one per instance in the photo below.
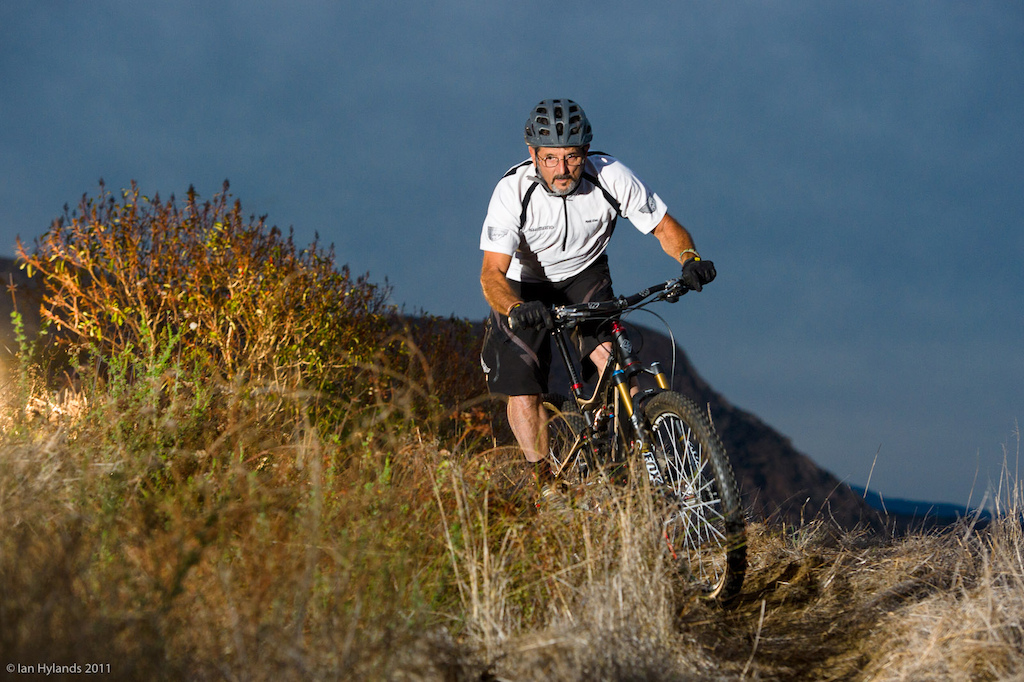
(853, 168)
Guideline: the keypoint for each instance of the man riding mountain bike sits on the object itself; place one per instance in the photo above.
(548, 224)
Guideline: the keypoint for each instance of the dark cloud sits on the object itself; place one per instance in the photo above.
(852, 167)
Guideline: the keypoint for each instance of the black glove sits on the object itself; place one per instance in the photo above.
(697, 273)
(530, 314)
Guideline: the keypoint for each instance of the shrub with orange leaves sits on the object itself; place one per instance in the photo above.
(137, 276)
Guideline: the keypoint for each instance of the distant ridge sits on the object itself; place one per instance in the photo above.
(28, 303)
(919, 513)
(778, 482)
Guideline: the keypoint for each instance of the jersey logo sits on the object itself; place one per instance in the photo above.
(496, 233)
(650, 206)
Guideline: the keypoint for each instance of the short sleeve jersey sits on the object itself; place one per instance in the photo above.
(557, 237)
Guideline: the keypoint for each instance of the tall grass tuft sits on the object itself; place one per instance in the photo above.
(974, 630)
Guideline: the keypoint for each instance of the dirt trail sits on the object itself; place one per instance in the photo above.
(825, 603)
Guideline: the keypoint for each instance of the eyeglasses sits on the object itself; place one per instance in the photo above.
(552, 161)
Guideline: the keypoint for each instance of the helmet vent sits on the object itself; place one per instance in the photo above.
(560, 128)
(558, 112)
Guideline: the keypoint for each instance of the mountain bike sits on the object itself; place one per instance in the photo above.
(697, 499)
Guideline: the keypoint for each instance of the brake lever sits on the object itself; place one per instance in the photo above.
(562, 318)
(675, 291)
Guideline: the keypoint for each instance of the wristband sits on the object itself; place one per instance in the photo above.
(696, 256)
(513, 307)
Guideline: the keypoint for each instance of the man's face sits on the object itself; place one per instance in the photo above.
(560, 167)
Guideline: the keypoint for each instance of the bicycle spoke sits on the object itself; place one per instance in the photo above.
(696, 519)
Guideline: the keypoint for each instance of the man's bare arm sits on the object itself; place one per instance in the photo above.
(498, 293)
(675, 239)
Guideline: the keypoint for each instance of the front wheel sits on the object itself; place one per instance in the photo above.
(702, 520)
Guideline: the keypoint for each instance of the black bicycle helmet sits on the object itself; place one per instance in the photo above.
(558, 123)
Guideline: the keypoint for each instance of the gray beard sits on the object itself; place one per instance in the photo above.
(563, 192)
(557, 193)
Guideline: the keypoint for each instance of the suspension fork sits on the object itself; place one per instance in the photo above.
(628, 366)
(628, 361)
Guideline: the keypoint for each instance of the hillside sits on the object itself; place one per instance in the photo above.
(391, 558)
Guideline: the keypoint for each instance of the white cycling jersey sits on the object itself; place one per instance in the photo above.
(555, 237)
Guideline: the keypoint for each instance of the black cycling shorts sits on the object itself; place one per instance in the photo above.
(518, 362)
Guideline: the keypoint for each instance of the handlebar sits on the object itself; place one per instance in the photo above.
(568, 315)
(669, 291)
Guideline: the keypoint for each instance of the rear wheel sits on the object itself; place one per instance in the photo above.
(702, 520)
(565, 425)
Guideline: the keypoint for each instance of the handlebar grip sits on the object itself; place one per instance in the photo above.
(513, 326)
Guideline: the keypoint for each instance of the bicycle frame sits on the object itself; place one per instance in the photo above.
(698, 504)
(616, 396)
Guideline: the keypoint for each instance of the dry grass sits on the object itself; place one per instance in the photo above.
(381, 550)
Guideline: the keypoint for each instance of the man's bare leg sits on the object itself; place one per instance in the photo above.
(528, 419)
(599, 356)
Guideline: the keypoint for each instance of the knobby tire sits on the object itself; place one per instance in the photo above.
(701, 514)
